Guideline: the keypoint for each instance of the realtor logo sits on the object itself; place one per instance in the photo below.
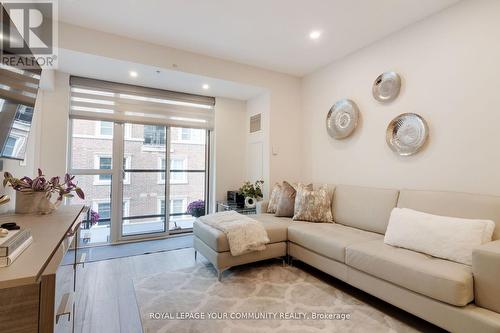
(28, 33)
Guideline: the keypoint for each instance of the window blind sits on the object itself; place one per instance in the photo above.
(19, 85)
(110, 101)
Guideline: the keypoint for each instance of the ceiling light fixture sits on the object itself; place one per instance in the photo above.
(205, 86)
(315, 34)
(133, 73)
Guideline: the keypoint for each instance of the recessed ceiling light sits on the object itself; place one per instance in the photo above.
(133, 73)
(315, 34)
(205, 86)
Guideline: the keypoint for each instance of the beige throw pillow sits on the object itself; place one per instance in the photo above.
(314, 206)
(286, 203)
(273, 200)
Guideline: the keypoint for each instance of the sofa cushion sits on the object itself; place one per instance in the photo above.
(364, 207)
(464, 205)
(327, 239)
(439, 279)
(276, 228)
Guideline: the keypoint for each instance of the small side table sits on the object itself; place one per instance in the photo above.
(223, 206)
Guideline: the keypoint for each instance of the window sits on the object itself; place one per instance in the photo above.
(177, 206)
(24, 114)
(10, 145)
(154, 135)
(177, 164)
(98, 163)
(127, 165)
(127, 131)
(104, 210)
(105, 128)
(186, 134)
(104, 164)
(189, 135)
(162, 206)
(162, 165)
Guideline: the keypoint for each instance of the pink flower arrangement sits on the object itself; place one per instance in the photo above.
(63, 188)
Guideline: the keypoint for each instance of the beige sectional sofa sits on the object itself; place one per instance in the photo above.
(454, 296)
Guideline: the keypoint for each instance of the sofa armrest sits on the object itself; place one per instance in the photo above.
(486, 270)
(261, 207)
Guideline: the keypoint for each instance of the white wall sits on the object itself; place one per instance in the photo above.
(258, 143)
(450, 64)
(230, 146)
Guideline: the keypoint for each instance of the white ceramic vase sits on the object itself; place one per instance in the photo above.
(250, 202)
(34, 203)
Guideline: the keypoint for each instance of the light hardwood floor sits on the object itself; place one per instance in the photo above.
(106, 300)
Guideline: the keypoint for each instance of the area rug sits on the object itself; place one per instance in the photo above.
(250, 299)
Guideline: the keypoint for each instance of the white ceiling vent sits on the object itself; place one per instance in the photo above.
(255, 123)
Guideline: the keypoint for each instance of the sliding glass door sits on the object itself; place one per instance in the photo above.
(188, 175)
(160, 170)
(145, 146)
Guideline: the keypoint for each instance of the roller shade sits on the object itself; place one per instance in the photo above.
(19, 85)
(110, 101)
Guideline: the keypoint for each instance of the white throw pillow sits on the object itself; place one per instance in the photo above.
(439, 236)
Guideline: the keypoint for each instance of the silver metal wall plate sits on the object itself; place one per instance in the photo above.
(407, 134)
(386, 87)
(342, 119)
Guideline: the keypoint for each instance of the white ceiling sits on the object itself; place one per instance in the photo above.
(272, 34)
(97, 67)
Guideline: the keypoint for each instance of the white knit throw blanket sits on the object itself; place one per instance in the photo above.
(243, 233)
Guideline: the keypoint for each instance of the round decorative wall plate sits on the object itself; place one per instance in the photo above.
(407, 133)
(342, 119)
(386, 87)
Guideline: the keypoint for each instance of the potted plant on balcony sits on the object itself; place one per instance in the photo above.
(91, 220)
(34, 195)
(196, 208)
(252, 193)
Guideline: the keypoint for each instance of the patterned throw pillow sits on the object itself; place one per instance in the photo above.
(314, 206)
(299, 187)
(273, 200)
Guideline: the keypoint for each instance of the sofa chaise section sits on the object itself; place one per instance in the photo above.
(213, 244)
